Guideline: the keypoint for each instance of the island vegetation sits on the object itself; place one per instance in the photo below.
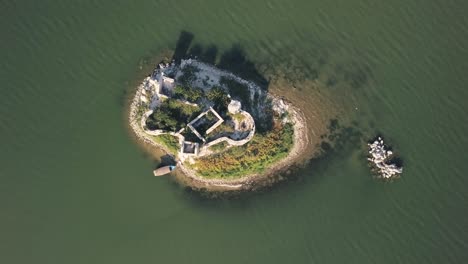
(219, 126)
(251, 158)
(168, 141)
(172, 115)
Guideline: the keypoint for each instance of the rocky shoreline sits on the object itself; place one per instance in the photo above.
(190, 178)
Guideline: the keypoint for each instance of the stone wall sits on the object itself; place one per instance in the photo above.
(230, 141)
(149, 85)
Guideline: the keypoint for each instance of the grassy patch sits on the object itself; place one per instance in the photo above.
(253, 157)
(188, 93)
(238, 117)
(222, 130)
(219, 147)
(169, 141)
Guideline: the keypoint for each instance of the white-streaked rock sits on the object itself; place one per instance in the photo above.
(379, 157)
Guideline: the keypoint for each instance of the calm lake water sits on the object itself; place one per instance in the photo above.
(75, 188)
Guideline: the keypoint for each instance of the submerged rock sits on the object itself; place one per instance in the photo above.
(380, 158)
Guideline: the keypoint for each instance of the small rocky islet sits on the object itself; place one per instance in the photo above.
(382, 160)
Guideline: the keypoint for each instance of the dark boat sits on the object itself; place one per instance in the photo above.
(163, 170)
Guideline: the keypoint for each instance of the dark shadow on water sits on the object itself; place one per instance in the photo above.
(210, 54)
(196, 51)
(183, 45)
(167, 160)
(206, 54)
(234, 59)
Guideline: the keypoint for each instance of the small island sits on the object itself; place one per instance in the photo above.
(225, 132)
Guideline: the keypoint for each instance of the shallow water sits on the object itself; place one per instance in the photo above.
(75, 188)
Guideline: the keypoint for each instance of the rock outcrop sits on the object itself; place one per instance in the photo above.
(380, 159)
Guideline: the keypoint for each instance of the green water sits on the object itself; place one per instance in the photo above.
(76, 189)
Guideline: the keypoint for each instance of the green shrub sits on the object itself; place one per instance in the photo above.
(188, 75)
(187, 93)
(238, 117)
(223, 129)
(219, 97)
(219, 147)
(172, 115)
(253, 157)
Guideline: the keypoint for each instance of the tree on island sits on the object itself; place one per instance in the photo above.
(219, 97)
(172, 115)
(161, 120)
(187, 93)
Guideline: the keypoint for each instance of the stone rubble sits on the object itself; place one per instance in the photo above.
(379, 158)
